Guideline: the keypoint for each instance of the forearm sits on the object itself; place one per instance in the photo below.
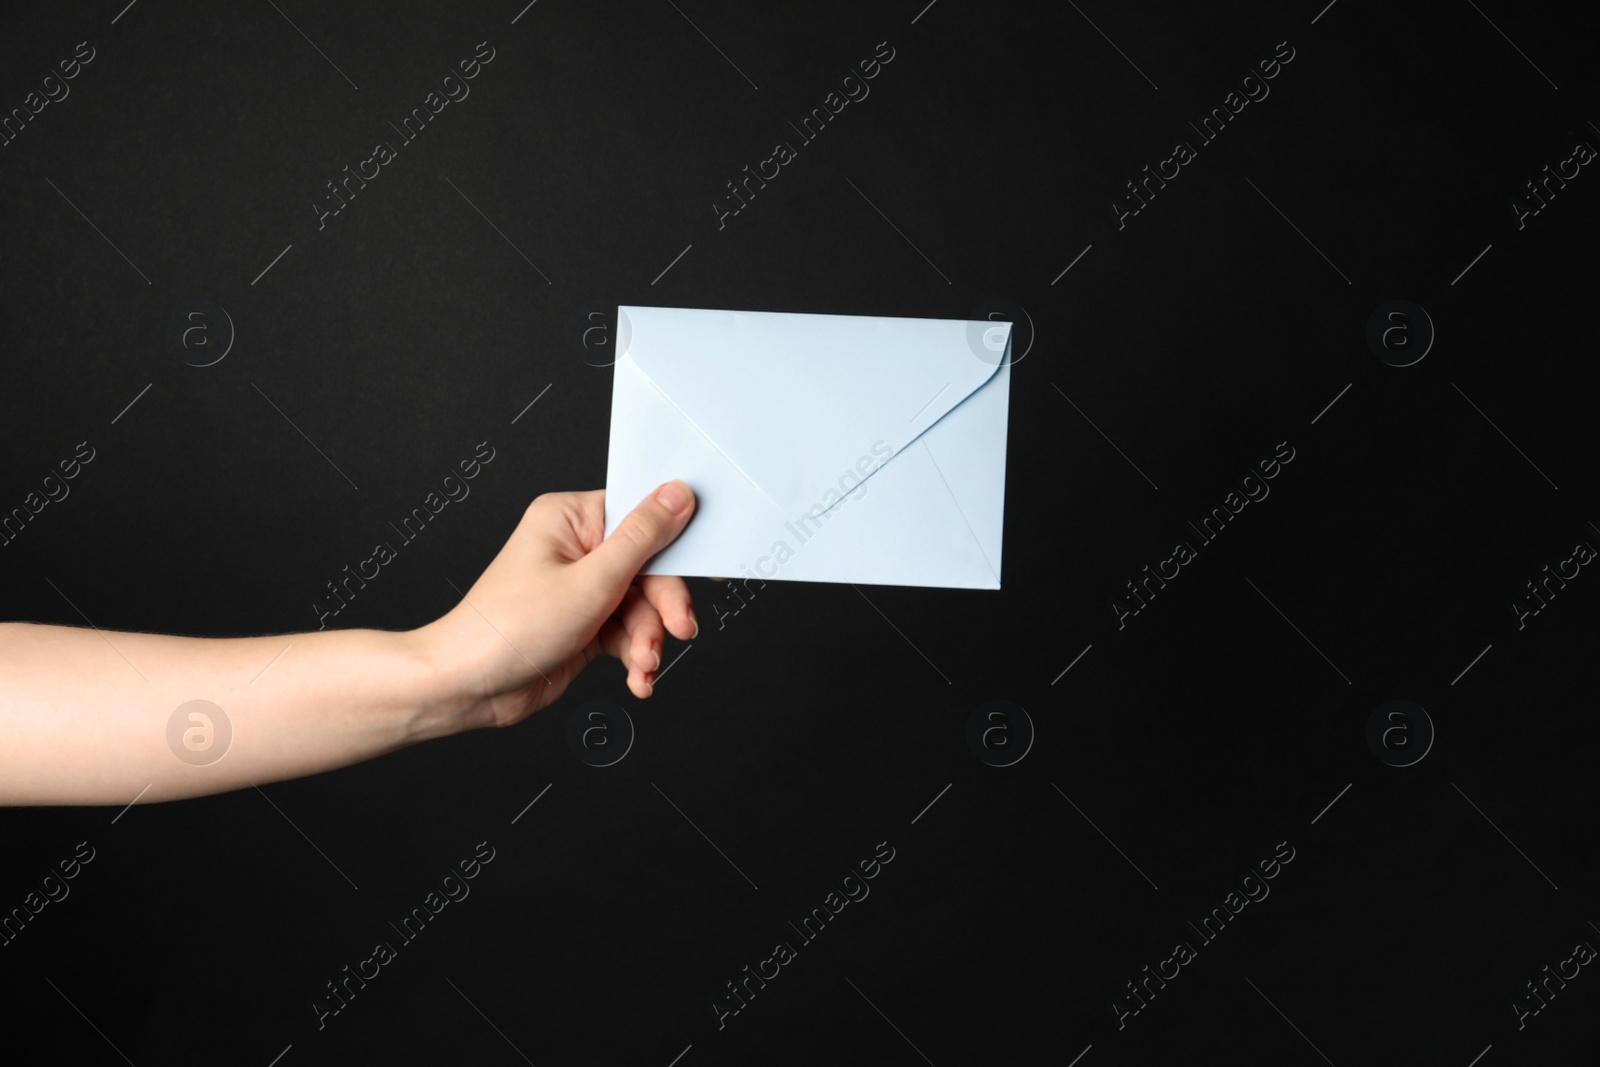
(92, 717)
(84, 715)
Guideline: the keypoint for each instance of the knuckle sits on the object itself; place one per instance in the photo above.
(638, 531)
(547, 506)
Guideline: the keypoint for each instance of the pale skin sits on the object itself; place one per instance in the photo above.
(84, 713)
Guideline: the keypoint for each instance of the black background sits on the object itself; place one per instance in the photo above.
(1221, 720)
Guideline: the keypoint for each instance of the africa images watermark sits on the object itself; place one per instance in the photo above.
(54, 90)
(411, 126)
(1251, 486)
(55, 491)
(810, 522)
(452, 888)
(850, 888)
(783, 153)
(1583, 553)
(410, 528)
(1210, 928)
(1552, 982)
(199, 732)
(1524, 209)
(1210, 127)
(52, 889)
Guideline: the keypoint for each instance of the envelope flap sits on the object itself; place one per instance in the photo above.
(806, 405)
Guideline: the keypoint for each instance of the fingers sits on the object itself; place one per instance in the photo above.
(643, 624)
(646, 607)
(670, 597)
(635, 635)
(617, 642)
(646, 530)
(590, 517)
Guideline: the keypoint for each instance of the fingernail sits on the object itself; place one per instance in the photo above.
(674, 496)
(657, 652)
(650, 680)
(696, 625)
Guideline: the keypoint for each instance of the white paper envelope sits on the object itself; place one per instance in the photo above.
(821, 448)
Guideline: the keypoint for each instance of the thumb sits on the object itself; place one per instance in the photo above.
(646, 530)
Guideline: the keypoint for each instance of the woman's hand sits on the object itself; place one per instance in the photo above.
(555, 597)
(97, 717)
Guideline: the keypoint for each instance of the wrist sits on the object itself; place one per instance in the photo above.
(455, 692)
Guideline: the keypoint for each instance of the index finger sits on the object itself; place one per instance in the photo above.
(670, 597)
